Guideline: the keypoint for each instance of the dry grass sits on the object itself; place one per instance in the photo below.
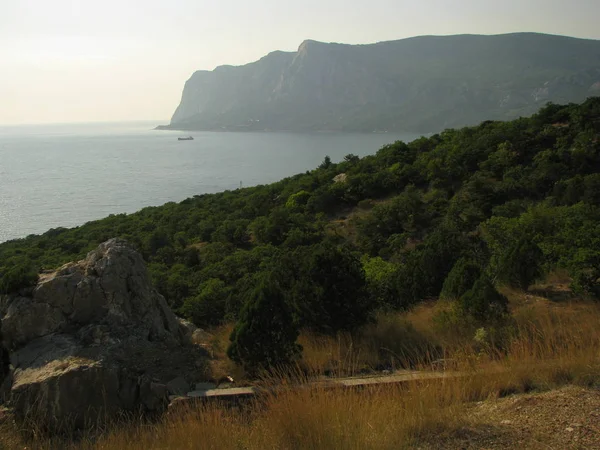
(382, 418)
(549, 344)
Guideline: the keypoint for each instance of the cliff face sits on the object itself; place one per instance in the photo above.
(421, 84)
(229, 88)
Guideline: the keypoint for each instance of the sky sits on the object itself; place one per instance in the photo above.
(114, 60)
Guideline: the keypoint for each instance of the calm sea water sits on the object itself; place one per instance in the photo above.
(66, 175)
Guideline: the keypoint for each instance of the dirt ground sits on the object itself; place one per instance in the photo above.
(567, 418)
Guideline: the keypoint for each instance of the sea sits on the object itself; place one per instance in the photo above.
(68, 174)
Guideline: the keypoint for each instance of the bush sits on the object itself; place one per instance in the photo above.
(209, 306)
(483, 302)
(366, 204)
(266, 332)
(427, 266)
(460, 279)
(521, 264)
(17, 277)
(297, 201)
(585, 270)
(380, 275)
(330, 290)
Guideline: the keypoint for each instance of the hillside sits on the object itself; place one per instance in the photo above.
(456, 215)
(422, 84)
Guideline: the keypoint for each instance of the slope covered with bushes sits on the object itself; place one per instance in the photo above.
(503, 202)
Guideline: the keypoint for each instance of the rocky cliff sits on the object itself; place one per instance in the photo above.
(421, 84)
(93, 338)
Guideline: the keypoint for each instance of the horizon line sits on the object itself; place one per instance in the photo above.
(83, 122)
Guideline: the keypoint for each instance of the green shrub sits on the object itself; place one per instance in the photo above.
(585, 270)
(483, 302)
(366, 204)
(296, 202)
(17, 277)
(266, 332)
(330, 289)
(380, 276)
(460, 279)
(521, 264)
(209, 306)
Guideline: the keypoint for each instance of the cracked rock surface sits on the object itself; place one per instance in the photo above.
(94, 337)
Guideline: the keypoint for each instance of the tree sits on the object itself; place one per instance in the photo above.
(296, 202)
(158, 239)
(17, 277)
(483, 302)
(585, 269)
(266, 332)
(330, 289)
(380, 275)
(326, 163)
(209, 306)
(232, 231)
(403, 213)
(461, 278)
(592, 189)
(272, 229)
(521, 264)
(427, 266)
(351, 158)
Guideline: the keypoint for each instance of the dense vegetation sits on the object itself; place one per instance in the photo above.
(457, 213)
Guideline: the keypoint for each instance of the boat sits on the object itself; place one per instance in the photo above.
(189, 138)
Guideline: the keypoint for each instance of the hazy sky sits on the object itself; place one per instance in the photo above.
(105, 60)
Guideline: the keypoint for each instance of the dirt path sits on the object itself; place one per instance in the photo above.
(567, 418)
(392, 378)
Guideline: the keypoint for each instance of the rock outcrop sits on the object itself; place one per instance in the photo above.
(94, 338)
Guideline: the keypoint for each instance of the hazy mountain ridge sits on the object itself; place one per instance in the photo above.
(418, 84)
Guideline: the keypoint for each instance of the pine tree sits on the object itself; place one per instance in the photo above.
(266, 332)
(483, 302)
(461, 278)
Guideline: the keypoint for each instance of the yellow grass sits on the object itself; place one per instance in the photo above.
(551, 344)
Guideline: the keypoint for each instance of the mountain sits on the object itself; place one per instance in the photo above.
(421, 84)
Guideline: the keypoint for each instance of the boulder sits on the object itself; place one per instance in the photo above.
(178, 386)
(340, 178)
(188, 329)
(199, 336)
(5, 373)
(93, 338)
(27, 319)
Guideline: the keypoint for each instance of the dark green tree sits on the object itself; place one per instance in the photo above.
(483, 302)
(585, 270)
(521, 264)
(209, 306)
(351, 158)
(272, 229)
(17, 277)
(156, 240)
(326, 163)
(461, 278)
(265, 335)
(232, 231)
(330, 289)
(427, 266)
